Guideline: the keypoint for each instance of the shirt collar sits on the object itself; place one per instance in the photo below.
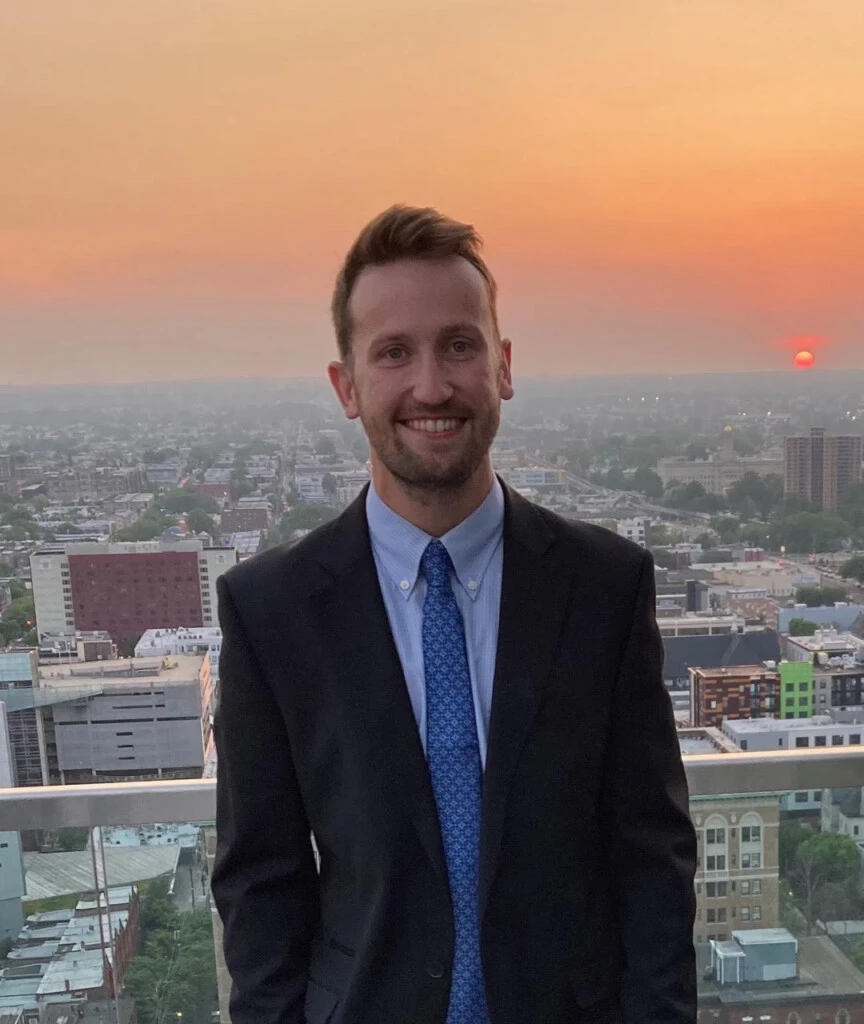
(399, 545)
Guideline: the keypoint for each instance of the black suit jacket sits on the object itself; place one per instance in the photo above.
(587, 851)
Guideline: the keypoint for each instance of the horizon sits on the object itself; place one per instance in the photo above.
(668, 188)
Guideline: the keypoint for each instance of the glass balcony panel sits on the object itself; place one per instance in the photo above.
(779, 927)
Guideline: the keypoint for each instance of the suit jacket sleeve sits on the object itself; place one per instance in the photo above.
(264, 875)
(653, 843)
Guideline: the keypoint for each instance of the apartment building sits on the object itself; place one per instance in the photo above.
(738, 866)
(821, 468)
(127, 588)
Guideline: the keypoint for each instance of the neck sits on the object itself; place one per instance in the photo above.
(435, 512)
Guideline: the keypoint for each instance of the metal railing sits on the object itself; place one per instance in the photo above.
(194, 800)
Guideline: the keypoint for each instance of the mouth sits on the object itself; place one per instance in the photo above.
(438, 427)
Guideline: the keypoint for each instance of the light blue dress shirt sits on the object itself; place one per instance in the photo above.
(475, 547)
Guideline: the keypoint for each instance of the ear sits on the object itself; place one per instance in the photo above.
(505, 380)
(343, 385)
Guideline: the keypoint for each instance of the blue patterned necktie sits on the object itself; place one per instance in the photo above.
(453, 754)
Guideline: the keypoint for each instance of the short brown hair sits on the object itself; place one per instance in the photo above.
(405, 233)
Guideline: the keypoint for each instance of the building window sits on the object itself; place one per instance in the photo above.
(756, 913)
(756, 886)
(836, 741)
(821, 741)
(710, 890)
(716, 863)
(802, 741)
(745, 888)
(803, 701)
(855, 738)
(714, 836)
(802, 798)
(721, 915)
(751, 834)
(711, 915)
(745, 913)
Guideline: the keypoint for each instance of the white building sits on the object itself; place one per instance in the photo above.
(637, 530)
(163, 643)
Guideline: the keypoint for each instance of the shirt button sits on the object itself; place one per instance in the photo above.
(405, 585)
(435, 969)
(472, 584)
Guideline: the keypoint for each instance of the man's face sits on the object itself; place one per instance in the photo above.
(426, 374)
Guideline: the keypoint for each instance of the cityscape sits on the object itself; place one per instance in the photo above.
(663, 201)
(120, 507)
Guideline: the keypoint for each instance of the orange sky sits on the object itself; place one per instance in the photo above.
(667, 186)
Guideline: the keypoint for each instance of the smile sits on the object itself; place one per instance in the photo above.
(433, 426)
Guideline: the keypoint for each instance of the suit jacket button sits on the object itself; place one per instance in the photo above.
(435, 969)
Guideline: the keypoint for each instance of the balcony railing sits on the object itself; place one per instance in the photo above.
(134, 803)
(104, 824)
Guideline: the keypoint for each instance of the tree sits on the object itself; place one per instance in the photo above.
(665, 559)
(325, 446)
(727, 528)
(180, 500)
(852, 568)
(305, 517)
(647, 482)
(816, 597)
(6, 570)
(152, 524)
(802, 627)
(707, 540)
(199, 522)
(823, 872)
(753, 492)
(696, 452)
(329, 485)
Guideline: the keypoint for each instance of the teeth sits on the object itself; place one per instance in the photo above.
(433, 426)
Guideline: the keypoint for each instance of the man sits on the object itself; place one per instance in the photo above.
(459, 695)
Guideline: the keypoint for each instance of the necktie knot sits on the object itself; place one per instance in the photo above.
(435, 564)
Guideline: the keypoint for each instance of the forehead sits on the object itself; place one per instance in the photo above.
(415, 296)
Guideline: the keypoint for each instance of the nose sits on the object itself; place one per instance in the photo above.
(431, 386)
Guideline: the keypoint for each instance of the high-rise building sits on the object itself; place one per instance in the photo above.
(820, 468)
(127, 588)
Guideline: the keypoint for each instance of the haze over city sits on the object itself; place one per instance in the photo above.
(662, 188)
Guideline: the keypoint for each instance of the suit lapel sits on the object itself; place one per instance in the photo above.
(365, 657)
(535, 593)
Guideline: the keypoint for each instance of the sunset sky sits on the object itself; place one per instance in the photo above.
(669, 185)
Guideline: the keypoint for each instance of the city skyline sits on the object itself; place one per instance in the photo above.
(661, 189)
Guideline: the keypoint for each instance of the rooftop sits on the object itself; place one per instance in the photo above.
(823, 972)
(754, 725)
(176, 668)
(720, 650)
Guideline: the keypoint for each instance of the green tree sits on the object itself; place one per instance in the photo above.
(810, 532)
(816, 597)
(6, 570)
(329, 485)
(152, 524)
(325, 446)
(647, 482)
(727, 528)
(852, 568)
(707, 540)
(199, 522)
(823, 873)
(305, 517)
(696, 451)
(802, 627)
(181, 500)
(20, 615)
(751, 492)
